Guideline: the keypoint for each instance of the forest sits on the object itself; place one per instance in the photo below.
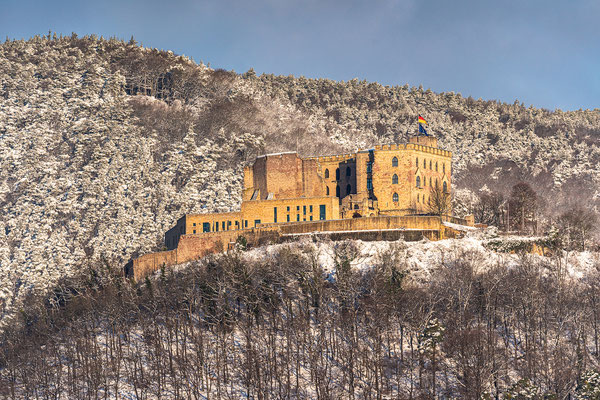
(105, 143)
(280, 326)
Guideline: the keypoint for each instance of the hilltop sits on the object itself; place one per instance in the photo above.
(104, 144)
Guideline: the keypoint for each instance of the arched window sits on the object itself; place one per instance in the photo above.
(445, 187)
(327, 174)
(337, 191)
(417, 162)
(337, 174)
(436, 166)
(444, 168)
(394, 162)
(348, 189)
(327, 190)
(395, 179)
(425, 164)
(430, 164)
(348, 171)
(395, 198)
(418, 181)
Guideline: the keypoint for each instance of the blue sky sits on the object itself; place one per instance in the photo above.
(545, 53)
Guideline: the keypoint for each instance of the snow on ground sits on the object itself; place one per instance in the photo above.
(459, 227)
(422, 258)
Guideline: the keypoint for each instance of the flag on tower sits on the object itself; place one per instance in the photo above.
(422, 130)
(422, 120)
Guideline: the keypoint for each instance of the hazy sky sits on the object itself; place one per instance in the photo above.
(545, 53)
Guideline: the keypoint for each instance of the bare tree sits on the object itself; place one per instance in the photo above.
(575, 228)
(523, 206)
(489, 209)
(439, 200)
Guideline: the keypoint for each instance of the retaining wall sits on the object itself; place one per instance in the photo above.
(193, 247)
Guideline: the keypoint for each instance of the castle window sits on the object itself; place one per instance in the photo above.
(425, 164)
(348, 171)
(394, 162)
(206, 227)
(246, 223)
(429, 164)
(395, 197)
(327, 190)
(274, 214)
(194, 231)
(436, 166)
(297, 217)
(337, 174)
(395, 179)
(304, 210)
(369, 184)
(288, 218)
(430, 181)
(348, 189)
(418, 181)
(417, 163)
(444, 168)
(326, 173)
(256, 222)
(445, 187)
(424, 182)
(418, 198)
(310, 209)
(194, 224)
(337, 191)
(288, 208)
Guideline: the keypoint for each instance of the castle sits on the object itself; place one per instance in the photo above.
(389, 180)
(384, 193)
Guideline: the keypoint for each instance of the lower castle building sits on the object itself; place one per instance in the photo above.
(389, 180)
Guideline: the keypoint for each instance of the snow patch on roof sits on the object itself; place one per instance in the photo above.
(277, 154)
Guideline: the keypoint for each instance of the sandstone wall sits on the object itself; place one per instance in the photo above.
(192, 247)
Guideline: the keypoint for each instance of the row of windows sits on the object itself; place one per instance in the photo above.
(322, 213)
(394, 164)
(425, 165)
(226, 225)
(220, 226)
(337, 173)
(395, 198)
(444, 184)
(337, 190)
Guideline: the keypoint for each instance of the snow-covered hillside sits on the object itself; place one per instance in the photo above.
(322, 319)
(90, 175)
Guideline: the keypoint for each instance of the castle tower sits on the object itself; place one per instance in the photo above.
(424, 140)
